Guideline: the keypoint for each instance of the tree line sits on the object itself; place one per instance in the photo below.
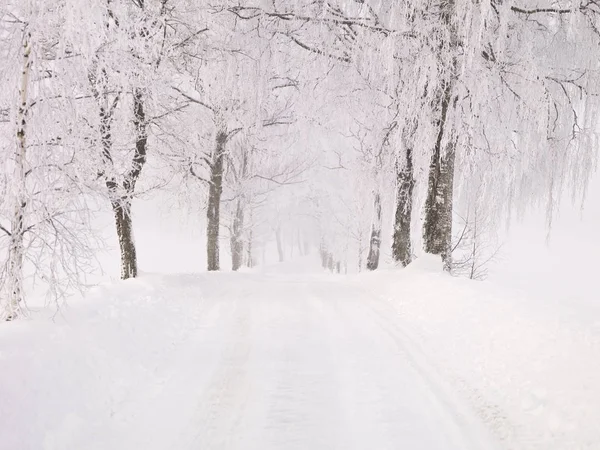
(316, 122)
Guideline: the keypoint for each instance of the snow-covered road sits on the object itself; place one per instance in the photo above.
(290, 358)
(303, 362)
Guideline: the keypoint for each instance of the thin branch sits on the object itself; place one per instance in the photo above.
(255, 12)
(276, 122)
(8, 233)
(189, 38)
(169, 112)
(280, 183)
(194, 100)
(233, 132)
(544, 10)
(344, 59)
(195, 175)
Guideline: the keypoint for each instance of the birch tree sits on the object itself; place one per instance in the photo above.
(46, 233)
(16, 233)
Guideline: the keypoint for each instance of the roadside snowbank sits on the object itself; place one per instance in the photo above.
(529, 366)
(62, 382)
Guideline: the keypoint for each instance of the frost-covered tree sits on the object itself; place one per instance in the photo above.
(261, 176)
(123, 46)
(230, 80)
(479, 83)
(44, 233)
(300, 122)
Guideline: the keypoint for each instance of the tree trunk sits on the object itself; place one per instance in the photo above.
(122, 208)
(401, 246)
(361, 252)
(438, 206)
(323, 255)
(121, 195)
(16, 257)
(437, 226)
(299, 242)
(279, 244)
(306, 246)
(375, 243)
(250, 242)
(213, 213)
(249, 250)
(123, 221)
(16, 249)
(237, 243)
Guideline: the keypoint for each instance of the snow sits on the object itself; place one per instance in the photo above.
(526, 365)
(288, 357)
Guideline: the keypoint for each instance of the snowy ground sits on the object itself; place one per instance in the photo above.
(290, 358)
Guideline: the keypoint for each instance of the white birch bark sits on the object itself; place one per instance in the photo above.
(16, 252)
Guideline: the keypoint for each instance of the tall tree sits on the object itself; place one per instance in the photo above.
(44, 228)
(142, 30)
(16, 249)
(402, 245)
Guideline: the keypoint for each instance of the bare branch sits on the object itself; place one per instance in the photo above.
(8, 233)
(544, 10)
(251, 12)
(195, 175)
(280, 183)
(194, 100)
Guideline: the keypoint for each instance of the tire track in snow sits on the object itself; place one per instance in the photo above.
(469, 421)
(490, 413)
(382, 405)
(222, 403)
(138, 422)
(304, 365)
(302, 410)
